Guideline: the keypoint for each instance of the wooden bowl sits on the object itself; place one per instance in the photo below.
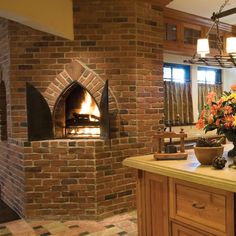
(205, 155)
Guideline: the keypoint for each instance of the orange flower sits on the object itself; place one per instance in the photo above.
(227, 110)
(233, 87)
(228, 121)
(200, 124)
(210, 97)
(218, 122)
(220, 101)
(210, 119)
(214, 109)
(202, 114)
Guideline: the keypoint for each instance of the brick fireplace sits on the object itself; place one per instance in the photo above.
(56, 177)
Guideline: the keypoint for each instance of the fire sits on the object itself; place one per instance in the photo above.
(85, 131)
(88, 106)
(84, 120)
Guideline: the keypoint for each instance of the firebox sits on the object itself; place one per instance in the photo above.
(76, 114)
(82, 115)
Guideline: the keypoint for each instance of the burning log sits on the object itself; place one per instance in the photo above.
(85, 116)
(83, 120)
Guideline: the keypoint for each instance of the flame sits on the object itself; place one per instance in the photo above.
(88, 106)
(84, 131)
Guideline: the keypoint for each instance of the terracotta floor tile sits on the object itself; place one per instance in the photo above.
(107, 232)
(20, 227)
(56, 227)
(113, 226)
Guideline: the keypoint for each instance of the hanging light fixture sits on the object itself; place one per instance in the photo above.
(203, 47)
(221, 59)
(231, 45)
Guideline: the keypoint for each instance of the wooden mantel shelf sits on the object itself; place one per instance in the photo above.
(190, 170)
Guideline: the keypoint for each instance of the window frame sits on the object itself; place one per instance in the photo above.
(218, 72)
(172, 66)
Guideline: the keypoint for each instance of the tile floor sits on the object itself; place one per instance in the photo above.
(125, 224)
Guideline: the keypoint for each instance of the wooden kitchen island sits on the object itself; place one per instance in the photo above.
(183, 198)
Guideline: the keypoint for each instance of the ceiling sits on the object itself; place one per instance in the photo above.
(204, 8)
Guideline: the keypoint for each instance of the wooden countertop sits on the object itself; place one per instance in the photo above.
(190, 170)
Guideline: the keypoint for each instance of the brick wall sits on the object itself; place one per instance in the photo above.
(117, 40)
(11, 154)
(149, 81)
(61, 179)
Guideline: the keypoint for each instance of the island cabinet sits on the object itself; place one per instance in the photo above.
(152, 204)
(169, 206)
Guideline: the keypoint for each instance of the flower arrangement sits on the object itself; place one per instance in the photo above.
(219, 115)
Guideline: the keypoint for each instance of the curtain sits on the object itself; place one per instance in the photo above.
(178, 102)
(204, 89)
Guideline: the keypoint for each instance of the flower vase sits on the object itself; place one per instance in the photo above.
(231, 136)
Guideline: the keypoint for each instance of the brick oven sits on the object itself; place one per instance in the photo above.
(79, 107)
(51, 166)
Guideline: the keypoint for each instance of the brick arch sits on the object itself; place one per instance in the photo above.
(77, 71)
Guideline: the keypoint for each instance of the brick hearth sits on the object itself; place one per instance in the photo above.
(115, 40)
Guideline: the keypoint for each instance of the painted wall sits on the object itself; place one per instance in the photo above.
(55, 17)
(228, 78)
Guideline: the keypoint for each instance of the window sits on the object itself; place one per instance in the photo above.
(208, 75)
(171, 32)
(191, 36)
(209, 80)
(176, 73)
(178, 96)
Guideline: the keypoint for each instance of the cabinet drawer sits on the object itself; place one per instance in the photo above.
(202, 207)
(179, 230)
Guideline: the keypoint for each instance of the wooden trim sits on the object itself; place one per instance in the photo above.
(181, 20)
(160, 2)
(193, 19)
(234, 29)
(157, 211)
(178, 228)
(141, 209)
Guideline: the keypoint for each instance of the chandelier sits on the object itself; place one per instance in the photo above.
(225, 58)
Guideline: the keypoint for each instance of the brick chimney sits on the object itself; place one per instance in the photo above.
(116, 40)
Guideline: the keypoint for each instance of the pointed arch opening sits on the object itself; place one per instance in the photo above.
(76, 114)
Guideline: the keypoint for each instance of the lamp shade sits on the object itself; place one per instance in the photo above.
(203, 46)
(231, 44)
